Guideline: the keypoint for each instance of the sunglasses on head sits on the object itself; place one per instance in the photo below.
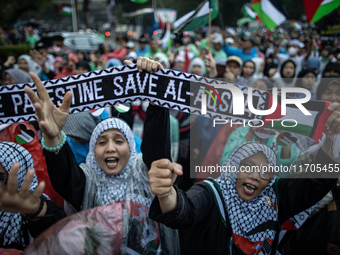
(249, 168)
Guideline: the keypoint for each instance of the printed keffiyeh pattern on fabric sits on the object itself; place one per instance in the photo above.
(166, 88)
(11, 223)
(246, 216)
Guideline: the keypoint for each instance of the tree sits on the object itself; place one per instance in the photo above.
(86, 9)
(294, 8)
(12, 10)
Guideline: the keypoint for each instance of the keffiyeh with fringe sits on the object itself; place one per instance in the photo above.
(247, 217)
(11, 223)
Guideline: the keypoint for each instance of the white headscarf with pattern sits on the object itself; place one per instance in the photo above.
(246, 216)
(130, 184)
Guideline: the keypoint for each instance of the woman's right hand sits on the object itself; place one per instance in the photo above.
(51, 119)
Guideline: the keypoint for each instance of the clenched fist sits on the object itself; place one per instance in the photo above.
(162, 176)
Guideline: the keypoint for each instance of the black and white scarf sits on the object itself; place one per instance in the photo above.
(246, 216)
(167, 88)
(11, 223)
(171, 89)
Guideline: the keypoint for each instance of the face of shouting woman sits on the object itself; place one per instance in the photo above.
(112, 151)
(249, 183)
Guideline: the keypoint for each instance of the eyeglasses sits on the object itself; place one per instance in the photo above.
(248, 168)
(3, 178)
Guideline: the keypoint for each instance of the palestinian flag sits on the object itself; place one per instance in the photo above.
(139, 1)
(122, 108)
(247, 10)
(167, 38)
(23, 135)
(65, 10)
(200, 17)
(182, 19)
(242, 21)
(161, 23)
(312, 125)
(271, 12)
(296, 24)
(316, 9)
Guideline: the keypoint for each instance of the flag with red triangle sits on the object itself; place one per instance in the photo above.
(296, 24)
(247, 10)
(308, 125)
(317, 9)
(161, 23)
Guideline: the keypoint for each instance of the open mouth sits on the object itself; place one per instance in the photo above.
(249, 188)
(111, 162)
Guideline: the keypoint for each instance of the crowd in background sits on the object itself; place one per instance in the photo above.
(260, 59)
(234, 54)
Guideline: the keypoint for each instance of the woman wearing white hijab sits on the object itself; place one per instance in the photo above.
(242, 211)
(113, 172)
(15, 76)
(27, 64)
(285, 76)
(197, 67)
(259, 67)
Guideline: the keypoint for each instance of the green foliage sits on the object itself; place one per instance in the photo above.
(15, 50)
(295, 8)
(12, 10)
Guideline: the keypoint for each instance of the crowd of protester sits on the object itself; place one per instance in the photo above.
(154, 147)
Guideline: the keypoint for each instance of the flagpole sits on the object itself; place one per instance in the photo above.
(209, 33)
(74, 16)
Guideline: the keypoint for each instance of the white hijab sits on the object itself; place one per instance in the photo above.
(130, 184)
(32, 65)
